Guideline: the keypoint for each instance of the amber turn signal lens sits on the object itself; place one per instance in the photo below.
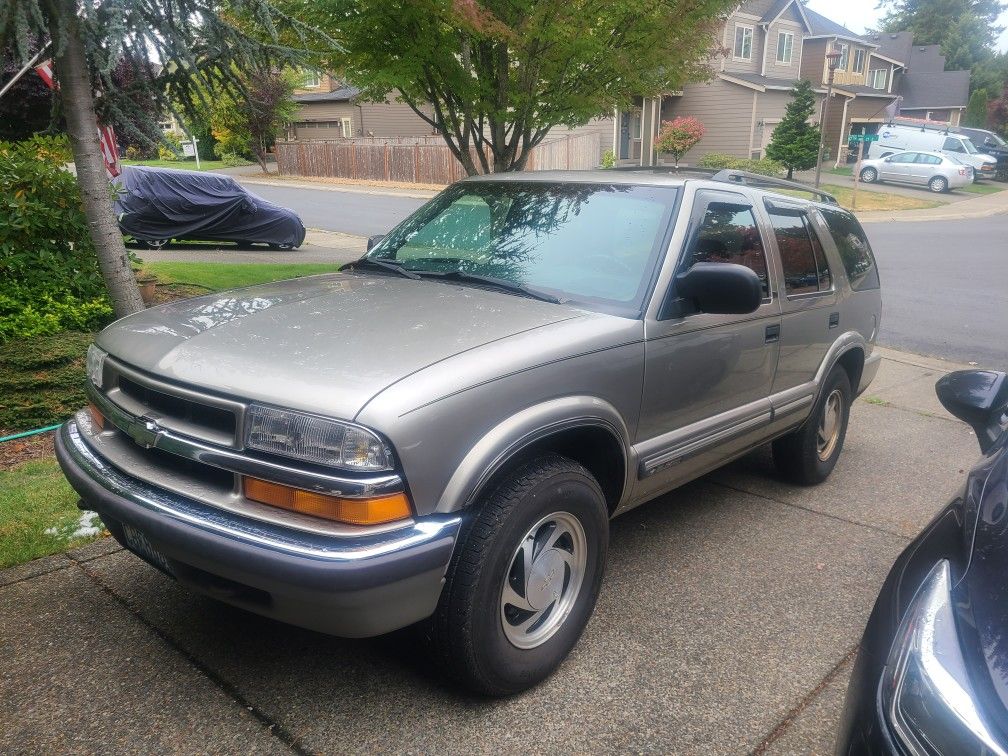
(373, 511)
(96, 416)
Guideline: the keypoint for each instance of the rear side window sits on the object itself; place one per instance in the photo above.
(728, 233)
(853, 247)
(923, 159)
(805, 268)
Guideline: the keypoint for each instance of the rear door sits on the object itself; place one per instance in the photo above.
(809, 315)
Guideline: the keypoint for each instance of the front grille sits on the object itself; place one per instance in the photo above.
(181, 410)
(166, 405)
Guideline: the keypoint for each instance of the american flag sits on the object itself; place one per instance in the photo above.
(106, 134)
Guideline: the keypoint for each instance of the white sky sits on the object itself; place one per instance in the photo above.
(859, 14)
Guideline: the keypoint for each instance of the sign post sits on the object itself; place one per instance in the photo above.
(860, 140)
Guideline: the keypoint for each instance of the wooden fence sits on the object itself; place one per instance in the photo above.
(415, 160)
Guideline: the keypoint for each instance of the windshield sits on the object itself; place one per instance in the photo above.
(591, 244)
(970, 148)
(998, 141)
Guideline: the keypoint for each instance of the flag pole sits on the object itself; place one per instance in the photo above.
(24, 69)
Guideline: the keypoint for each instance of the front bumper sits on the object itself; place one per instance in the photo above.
(348, 586)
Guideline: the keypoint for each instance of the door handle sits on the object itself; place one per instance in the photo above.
(772, 334)
(834, 319)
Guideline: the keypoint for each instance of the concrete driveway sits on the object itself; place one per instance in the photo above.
(727, 623)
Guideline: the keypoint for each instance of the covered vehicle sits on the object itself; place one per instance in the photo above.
(156, 205)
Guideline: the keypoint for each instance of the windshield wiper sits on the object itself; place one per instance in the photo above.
(497, 283)
(368, 262)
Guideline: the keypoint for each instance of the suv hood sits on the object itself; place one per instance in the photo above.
(324, 344)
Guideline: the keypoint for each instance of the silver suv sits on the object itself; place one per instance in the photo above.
(441, 432)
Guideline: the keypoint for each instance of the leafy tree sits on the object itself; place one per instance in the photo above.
(966, 43)
(494, 76)
(932, 20)
(198, 47)
(26, 109)
(679, 136)
(795, 142)
(997, 112)
(976, 111)
(249, 124)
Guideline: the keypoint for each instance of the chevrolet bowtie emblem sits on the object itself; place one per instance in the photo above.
(145, 432)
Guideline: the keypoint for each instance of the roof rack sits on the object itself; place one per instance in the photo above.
(758, 180)
(730, 176)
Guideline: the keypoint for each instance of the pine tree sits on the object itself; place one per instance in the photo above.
(976, 111)
(795, 142)
(200, 49)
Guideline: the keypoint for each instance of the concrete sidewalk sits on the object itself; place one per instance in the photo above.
(726, 624)
(982, 206)
(319, 247)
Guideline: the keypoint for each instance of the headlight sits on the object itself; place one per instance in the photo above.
(95, 365)
(316, 439)
(925, 692)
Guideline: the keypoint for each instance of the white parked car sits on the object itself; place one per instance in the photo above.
(895, 138)
(937, 172)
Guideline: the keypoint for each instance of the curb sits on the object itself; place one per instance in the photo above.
(904, 216)
(351, 188)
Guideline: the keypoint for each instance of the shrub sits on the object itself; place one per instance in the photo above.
(41, 379)
(608, 159)
(232, 160)
(679, 136)
(49, 276)
(173, 149)
(764, 166)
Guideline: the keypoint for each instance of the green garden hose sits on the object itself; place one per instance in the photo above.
(30, 433)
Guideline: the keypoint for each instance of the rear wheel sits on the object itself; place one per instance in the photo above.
(808, 455)
(524, 578)
(938, 184)
(869, 175)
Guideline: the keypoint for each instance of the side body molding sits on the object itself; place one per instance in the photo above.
(524, 428)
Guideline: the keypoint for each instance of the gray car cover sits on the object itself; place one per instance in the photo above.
(164, 203)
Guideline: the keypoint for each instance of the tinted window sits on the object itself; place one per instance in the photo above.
(853, 247)
(728, 234)
(593, 244)
(802, 258)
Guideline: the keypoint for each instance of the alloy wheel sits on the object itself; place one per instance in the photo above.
(543, 580)
(830, 425)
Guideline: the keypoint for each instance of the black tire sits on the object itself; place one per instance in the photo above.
(466, 635)
(938, 184)
(869, 175)
(800, 456)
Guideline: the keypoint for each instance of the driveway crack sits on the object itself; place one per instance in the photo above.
(272, 726)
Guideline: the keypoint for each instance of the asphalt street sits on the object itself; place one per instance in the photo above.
(943, 281)
(945, 288)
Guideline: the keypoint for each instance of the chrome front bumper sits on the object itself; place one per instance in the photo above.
(349, 586)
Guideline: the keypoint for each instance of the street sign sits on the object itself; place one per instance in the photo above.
(863, 138)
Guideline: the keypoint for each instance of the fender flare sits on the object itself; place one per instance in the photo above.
(844, 344)
(526, 427)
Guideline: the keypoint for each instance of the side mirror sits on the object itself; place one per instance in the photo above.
(373, 241)
(978, 398)
(720, 288)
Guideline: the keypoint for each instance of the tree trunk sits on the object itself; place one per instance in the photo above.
(78, 108)
(790, 172)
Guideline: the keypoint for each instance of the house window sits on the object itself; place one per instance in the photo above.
(312, 79)
(743, 42)
(878, 78)
(859, 56)
(785, 46)
(346, 127)
(842, 65)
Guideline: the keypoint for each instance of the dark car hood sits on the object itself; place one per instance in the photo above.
(986, 578)
(324, 344)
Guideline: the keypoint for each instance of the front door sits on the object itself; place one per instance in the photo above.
(707, 378)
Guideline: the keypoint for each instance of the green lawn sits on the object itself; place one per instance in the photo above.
(187, 165)
(844, 170)
(220, 276)
(38, 513)
(868, 200)
(987, 187)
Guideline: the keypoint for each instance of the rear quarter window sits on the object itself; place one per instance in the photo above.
(852, 244)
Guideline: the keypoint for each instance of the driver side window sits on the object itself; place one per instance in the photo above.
(727, 233)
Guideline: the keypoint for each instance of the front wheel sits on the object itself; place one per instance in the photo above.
(808, 455)
(938, 184)
(524, 578)
(869, 175)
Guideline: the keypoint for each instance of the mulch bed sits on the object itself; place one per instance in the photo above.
(164, 293)
(24, 449)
